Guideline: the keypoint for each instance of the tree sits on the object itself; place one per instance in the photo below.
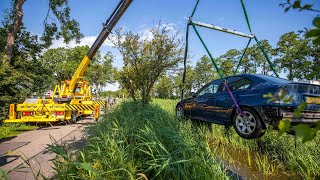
(189, 82)
(227, 62)
(204, 72)
(313, 33)
(164, 88)
(26, 76)
(101, 72)
(145, 60)
(259, 57)
(68, 29)
(291, 52)
(63, 62)
(18, 13)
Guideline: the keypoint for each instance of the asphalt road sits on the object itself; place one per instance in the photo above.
(32, 146)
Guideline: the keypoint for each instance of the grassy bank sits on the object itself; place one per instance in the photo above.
(13, 129)
(270, 157)
(273, 155)
(142, 142)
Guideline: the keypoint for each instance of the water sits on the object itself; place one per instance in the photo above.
(250, 164)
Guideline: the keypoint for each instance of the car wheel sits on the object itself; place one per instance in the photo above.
(180, 112)
(248, 126)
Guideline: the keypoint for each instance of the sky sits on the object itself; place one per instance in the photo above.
(268, 21)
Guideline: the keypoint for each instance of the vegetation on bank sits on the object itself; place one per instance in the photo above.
(138, 141)
(147, 141)
(9, 130)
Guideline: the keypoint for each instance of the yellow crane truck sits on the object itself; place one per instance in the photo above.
(72, 98)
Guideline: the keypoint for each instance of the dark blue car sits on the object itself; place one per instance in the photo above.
(212, 103)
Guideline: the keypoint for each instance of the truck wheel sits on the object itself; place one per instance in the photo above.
(248, 126)
(74, 117)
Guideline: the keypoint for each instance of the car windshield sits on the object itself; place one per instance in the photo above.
(273, 79)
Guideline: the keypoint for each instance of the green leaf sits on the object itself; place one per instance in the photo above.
(3, 175)
(284, 126)
(300, 108)
(287, 9)
(318, 125)
(307, 7)
(85, 166)
(313, 33)
(305, 132)
(316, 22)
(296, 4)
(316, 41)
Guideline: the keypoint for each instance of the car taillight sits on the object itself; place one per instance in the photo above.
(280, 93)
(27, 113)
(282, 96)
(59, 113)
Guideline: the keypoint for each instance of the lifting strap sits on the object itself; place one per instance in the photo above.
(194, 24)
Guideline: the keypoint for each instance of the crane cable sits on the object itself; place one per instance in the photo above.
(190, 22)
(242, 56)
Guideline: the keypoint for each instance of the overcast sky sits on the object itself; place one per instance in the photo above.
(267, 18)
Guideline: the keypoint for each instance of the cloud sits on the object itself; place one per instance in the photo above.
(147, 34)
(87, 40)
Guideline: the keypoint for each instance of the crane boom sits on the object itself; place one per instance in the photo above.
(107, 28)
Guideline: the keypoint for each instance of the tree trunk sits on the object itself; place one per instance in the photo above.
(8, 50)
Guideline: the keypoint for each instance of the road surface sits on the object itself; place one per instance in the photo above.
(32, 146)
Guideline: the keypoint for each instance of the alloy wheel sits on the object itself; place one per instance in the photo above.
(246, 123)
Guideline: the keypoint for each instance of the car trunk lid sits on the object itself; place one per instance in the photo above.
(310, 94)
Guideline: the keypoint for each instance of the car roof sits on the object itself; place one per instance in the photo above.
(267, 78)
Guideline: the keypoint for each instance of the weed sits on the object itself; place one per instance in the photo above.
(139, 141)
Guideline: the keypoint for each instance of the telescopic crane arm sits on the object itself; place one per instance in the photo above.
(107, 28)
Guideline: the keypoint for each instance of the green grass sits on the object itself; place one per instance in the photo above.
(273, 156)
(13, 129)
(141, 142)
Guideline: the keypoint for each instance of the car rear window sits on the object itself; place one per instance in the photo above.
(236, 83)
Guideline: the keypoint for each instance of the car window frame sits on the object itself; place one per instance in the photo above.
(207, 85)
(220, 89)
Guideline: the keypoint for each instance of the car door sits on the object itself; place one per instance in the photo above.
(224, 103)
(205, 101)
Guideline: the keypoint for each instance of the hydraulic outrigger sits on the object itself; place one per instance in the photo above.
(73, 97)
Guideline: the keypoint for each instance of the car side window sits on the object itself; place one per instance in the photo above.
(210, 88)
(236, 83)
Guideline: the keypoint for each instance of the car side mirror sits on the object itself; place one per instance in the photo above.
(193, 94)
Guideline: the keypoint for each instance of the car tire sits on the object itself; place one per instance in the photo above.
(180, 112)
(249, 127)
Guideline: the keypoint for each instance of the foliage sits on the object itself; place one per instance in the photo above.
(145, 60)
(26, 76)
(101, 72)
(164, 88)
(296, 4)
(9, 130)
(291, 51)
(142, 142)
(204, 72)
(274, 156)
(118, 93)
(188, 83)
(67, 28)
(63, 62)
(303, 131)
